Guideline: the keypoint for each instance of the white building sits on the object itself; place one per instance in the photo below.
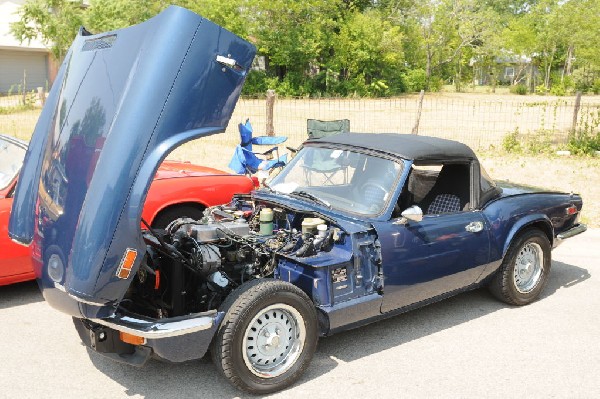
(30, 58)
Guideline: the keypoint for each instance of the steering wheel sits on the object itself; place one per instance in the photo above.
(376, 202)
(373, 184)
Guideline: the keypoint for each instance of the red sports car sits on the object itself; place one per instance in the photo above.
(179, 189)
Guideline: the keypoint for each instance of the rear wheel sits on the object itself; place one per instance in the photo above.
(525, 268)
(267, 338)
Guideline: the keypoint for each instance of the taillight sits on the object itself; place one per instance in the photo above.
(571, 210)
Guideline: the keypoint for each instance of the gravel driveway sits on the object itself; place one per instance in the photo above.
(467, 346)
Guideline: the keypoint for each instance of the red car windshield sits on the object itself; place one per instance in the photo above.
(11, 159)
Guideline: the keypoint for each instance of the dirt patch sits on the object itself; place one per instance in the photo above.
(579, 175)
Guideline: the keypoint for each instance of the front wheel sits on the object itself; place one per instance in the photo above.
(525, 269)
(267, 338)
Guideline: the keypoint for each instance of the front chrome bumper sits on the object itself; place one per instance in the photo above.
(176, 339)
(157, 329)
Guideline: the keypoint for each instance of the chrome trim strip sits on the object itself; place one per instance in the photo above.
(78, 298)
(157, 329)
(573, 231)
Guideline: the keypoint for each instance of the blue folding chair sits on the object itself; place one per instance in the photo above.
(246, 161)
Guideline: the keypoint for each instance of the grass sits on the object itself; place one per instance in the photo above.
(19, 124)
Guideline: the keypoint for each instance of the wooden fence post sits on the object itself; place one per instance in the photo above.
(24, 88)
(576, 112)
(42, 95)
(415, 129)
(270, 129)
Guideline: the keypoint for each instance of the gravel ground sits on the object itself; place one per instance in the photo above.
(467, 346)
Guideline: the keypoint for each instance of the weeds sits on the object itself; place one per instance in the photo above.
(585, 140)
(510, 142)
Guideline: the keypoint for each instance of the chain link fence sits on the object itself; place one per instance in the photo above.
(481, 121)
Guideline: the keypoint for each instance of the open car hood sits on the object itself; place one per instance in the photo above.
(121, 102)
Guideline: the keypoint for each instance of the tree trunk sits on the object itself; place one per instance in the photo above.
(568, 63)
(428, 67)
(549, 69)
(531, 77)
(458, 77)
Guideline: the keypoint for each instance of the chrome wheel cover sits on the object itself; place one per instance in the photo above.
(274, 340)
(529, 265)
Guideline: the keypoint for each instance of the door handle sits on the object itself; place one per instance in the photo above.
(474, 227)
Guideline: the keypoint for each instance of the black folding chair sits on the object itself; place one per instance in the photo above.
(326, 167)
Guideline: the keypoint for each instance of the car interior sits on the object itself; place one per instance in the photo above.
(437, 189)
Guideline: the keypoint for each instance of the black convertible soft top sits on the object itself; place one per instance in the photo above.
(407, 146)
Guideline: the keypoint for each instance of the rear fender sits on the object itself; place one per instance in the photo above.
(540, 220)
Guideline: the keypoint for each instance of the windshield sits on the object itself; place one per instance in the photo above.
(11, 159)
(340, 179)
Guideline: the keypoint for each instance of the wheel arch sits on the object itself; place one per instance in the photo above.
(540, 222)
(165, 208)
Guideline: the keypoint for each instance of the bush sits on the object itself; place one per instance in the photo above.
(541, 90)
(585, 145)
(558, 89)
(596, 86)
(436, 83)
(519, 89)
(415, 80)
(256, 83)
(510, 142)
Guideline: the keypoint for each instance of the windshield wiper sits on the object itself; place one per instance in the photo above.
(305, 194)
(265, 185)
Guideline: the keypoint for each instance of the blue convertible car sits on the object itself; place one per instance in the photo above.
(358, 227)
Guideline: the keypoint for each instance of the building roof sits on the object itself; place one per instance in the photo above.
(407, 146)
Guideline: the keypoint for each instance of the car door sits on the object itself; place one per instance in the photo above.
(423, 260)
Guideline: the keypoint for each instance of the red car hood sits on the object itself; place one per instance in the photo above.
(175, 169)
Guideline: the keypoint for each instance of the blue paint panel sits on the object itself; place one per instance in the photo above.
(313, 281)
(113, 115)
(507, 216)
(430, 258)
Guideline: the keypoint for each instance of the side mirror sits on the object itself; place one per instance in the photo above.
(413, 213)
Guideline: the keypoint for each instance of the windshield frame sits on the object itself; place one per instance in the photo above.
(392, 192)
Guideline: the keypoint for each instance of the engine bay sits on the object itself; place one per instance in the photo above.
(192, 265)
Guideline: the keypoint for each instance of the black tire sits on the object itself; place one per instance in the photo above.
(257, 299)
(508, 284)
(167, 215)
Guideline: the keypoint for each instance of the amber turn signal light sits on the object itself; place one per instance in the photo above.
(126, 263)
(131, 339)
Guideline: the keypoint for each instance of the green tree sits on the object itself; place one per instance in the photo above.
(293, 34)
(56, 22)
(105, 15)
(369, 52)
